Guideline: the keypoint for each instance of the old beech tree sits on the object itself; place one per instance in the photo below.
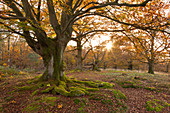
(47, 25)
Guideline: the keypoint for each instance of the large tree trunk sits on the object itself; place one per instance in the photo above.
(151, 67)
(53, 62)
(79, 55)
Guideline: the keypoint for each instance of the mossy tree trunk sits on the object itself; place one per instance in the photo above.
(53, 61)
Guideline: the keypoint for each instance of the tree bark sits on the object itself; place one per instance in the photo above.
(130, 65)
(53, 62)
(79, 55)
(167, 67)
(151, 66)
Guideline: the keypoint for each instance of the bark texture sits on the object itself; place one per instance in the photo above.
(79, 55)
(151, 67)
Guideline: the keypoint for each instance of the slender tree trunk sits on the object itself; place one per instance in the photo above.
(9, 56)
(151, 67)
(130, 65)
(1, 50)
(167, 67)
(79, 55)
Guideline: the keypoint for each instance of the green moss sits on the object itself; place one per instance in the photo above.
(150, 88)
(76, 91)
(129, 84)
(63, 84)
(88, 83)
(40, 84)
(20, 83)
(95, 97)
(11, 92)
(34, 93)
(119, 95)
(48, 89)
(29, 82)
(39, 76)
(1, 108)
(156, 105)
(33, 107)
(37, 98)
(60, 90)
(106, 85)
(83, 104)
(9, 98)
(23, 88)
(92, 89)
(50, 100)
(107, 102)
(76, 101)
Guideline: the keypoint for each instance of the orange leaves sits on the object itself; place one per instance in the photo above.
(60, 106)
(5, 64)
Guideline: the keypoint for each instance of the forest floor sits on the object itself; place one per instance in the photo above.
(133, 92)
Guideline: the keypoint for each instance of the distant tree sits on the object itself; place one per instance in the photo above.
(151, 44)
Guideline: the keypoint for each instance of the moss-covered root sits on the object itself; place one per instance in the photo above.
(96, 84)
(67, 87)
(62, 89)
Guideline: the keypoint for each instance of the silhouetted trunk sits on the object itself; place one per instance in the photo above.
(151, 67)
(167, 67)
(130, 65)
(9, 56)
(1, 50)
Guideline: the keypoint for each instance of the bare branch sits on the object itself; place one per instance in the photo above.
(38, 10)
(100, 31)
(27, 10)
(8, 18)
(116, 4)
(11, 29)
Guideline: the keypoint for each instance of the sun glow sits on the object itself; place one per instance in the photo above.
(109, 45)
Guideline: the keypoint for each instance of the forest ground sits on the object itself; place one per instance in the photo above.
(133, 92)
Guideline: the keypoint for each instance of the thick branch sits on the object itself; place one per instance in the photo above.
(116, 4)
(8, 18)
(27, 10)
(52, 16)
(38, 10)
(14, 8)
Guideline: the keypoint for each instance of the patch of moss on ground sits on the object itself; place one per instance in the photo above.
(82, 105)
(156, 105)
(11, 92)
(50, 100)
(76, 101)
(108, 100)
(33, 107)
(34, 93)
(150, 88)
(128, 84)
(23, 88)
(8, 98)
(119, 95)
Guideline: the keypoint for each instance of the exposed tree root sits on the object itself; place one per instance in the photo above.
(67, 87)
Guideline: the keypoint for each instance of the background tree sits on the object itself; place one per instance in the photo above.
(151, 43)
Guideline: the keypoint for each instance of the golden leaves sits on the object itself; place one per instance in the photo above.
(60, 106)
